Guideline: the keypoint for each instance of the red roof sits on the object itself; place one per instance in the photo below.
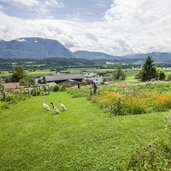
(8, 86)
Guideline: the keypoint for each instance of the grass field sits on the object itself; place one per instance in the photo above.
(81, 138)
(31, 73)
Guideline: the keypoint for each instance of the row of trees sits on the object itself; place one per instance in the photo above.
(148, 72)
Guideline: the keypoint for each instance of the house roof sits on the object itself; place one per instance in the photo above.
(8, 86)
(68, 82)
(63, 77)
(90, 71)
(89, 75)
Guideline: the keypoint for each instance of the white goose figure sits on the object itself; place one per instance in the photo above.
(55, 108)
(63, 106)
(45, 106)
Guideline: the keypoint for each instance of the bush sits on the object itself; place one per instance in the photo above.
(56, 88)
(13, 97)
(162, 76)
(10, 98)
(63, 88)
(169, 77)
(119, 74)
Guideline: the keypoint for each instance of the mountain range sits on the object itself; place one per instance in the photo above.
(33, 48)
(38, 48)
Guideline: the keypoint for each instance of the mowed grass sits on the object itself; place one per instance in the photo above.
(81, 138)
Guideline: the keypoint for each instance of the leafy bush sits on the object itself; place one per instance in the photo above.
(63, 88)
(27, 81)
(56, 88)
(11, 98)
(162, 76)
(118, 74)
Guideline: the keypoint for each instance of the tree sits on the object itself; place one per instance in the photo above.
(162, 76)
(119, 74)
(27, 81)
(18, 73)
(148, 71)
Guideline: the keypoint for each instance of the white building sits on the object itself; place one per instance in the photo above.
(98, 79)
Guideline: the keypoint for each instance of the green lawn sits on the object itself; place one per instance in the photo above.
(81, 138)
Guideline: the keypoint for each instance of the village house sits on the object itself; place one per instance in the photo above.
(63, 78)
(10, 86)
(98, 79)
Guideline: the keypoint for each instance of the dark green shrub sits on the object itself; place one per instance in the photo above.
(10, 98)
(162, 76)
(56, 88)
(63, 88)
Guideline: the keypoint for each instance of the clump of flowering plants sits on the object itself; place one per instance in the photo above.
(118, 103)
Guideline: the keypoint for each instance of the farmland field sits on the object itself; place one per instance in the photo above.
(82, 138)
(31, 73)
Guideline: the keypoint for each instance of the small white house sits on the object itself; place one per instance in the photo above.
(98, 79)
(51, 84)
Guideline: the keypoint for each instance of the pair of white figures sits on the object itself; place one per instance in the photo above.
(55, 109)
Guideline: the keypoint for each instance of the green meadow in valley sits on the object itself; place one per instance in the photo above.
(82, 138)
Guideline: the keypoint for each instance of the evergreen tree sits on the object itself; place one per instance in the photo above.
(148, 71)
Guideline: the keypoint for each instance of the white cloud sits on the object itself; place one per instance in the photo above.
(41, 6)
(144, 25)
(46, 5)
(129, 26)
(28, 3)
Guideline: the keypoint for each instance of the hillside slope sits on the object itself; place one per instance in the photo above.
(84, 139)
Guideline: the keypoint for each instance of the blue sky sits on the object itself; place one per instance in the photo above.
(117, 27)
(89, 10)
